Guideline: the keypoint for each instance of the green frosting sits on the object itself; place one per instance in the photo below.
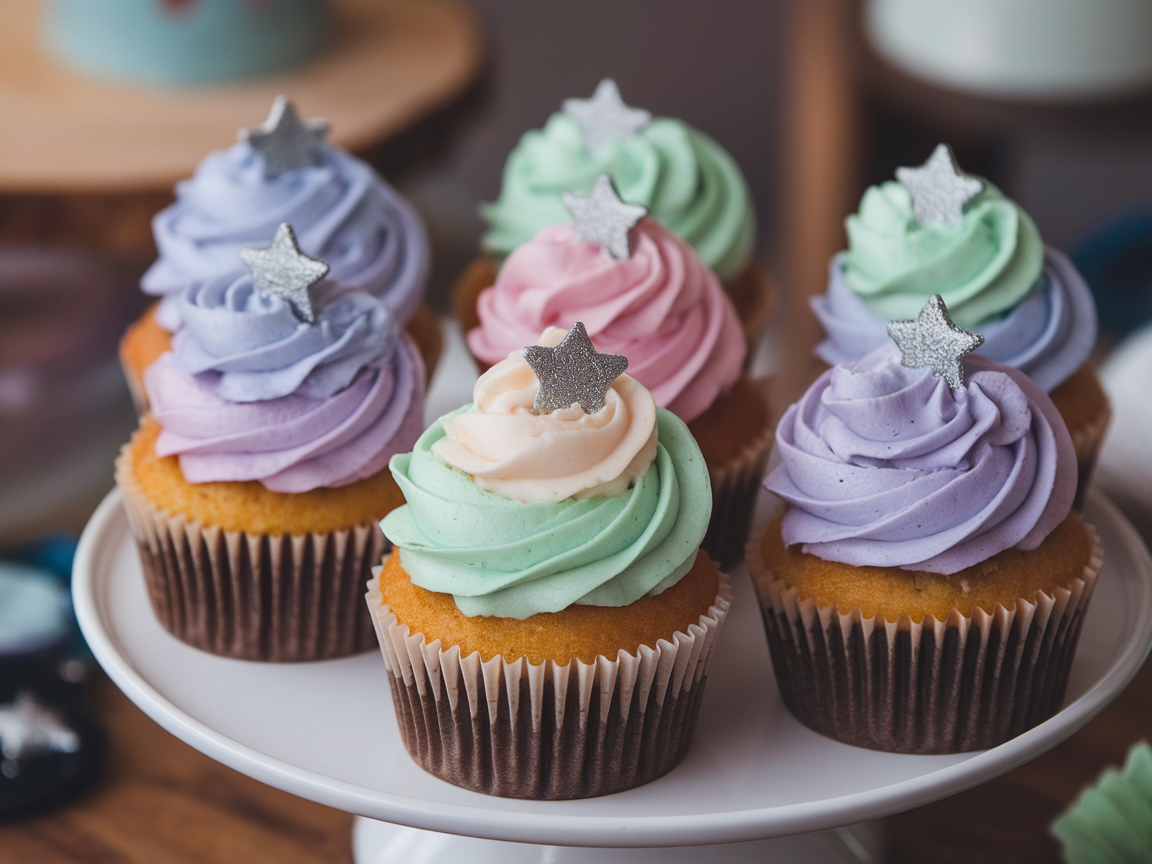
(982, 267)
(1111, 822)
(506, 558)
(686, 180)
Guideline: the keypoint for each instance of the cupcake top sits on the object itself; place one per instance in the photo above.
(515, 509)
(887, 464)
(342, 211)
(683, 177)
(939, 231)
(653, 301)
(252, 390)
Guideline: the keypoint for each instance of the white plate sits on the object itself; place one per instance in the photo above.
(327, 732)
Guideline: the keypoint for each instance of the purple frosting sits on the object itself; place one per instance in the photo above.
(888, 466)
(1048, 335)
(341, 211)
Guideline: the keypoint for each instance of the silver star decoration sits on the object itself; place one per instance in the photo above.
(933, 340)
(283, 270)
(573, 372)
(605, 118)
(601, 217)
(284, 142)
(939, 189)
(28, 728)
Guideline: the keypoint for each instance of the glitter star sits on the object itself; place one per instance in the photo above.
(573, 372)
(605, 118)
(933, 340)
(601, 217)
(283, 270)
(28, 728)
(284, 142)
(939, 189)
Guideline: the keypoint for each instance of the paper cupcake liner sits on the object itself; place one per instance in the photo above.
(547, 731)
(1087, 441)
(271, 597)
(965, 683)
(754, 296)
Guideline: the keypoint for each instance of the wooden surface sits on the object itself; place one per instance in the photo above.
(393, 61)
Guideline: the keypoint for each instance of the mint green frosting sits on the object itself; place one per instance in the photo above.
(982, 267)
(509, 559)
(686, 180)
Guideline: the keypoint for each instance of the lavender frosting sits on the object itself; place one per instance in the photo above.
(341, 210)
(1048, 335)
(887, 466)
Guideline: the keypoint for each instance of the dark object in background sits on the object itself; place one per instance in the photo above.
(1116, 261)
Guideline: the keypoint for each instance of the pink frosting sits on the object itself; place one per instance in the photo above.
(662, 308)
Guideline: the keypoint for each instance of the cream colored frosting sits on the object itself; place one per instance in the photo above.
(528, 457)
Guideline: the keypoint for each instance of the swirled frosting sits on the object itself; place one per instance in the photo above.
(661, 308)
(511, 558)
(684, 178)
(1048, 335)
(887, 466)
(340, 209)
(982, 267)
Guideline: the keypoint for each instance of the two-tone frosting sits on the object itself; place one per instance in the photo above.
(342, 211)
(661, 307)
(684, 179)
(250, 392)
(485, 520)
(888, 466)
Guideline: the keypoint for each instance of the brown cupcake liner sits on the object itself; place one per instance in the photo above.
(271, 597)
(547, 731)
(965, 683)
(1087, 441)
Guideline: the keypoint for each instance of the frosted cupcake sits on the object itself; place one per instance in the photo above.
(924, 588)
(254, 487)
(642, 292)
(680, 175)
(938, 231)
(546, 617)
(343, 212)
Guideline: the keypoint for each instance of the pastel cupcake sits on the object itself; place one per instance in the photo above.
(642, 292)
(938, 231)
(924, 587)
(682, 177)
(546, 616)
(255, 485)
(343, 212)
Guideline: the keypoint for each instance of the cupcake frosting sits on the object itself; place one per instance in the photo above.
(249, 392)
(341, 209)
(888, 466)
(683, 177)
(661, 308)
(484, 520)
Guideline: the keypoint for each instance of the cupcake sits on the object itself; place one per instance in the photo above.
(255, 485)
(924, 587)
(546, 616)
(342, 211)
(684, 178)
(642, 292)
(938, 231)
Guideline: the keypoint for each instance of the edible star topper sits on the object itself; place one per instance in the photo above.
(282, 269)
(933, 340)
(939, 188)
(284, 142)
(28, 728)
(573, 372)
(601, 217)
(605, 118)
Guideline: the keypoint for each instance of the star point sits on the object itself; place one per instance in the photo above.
(605, 118)
(282, 270)
(573, 372)
(933, 340)
(939, 189)
(284, 142)
(601, 217)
